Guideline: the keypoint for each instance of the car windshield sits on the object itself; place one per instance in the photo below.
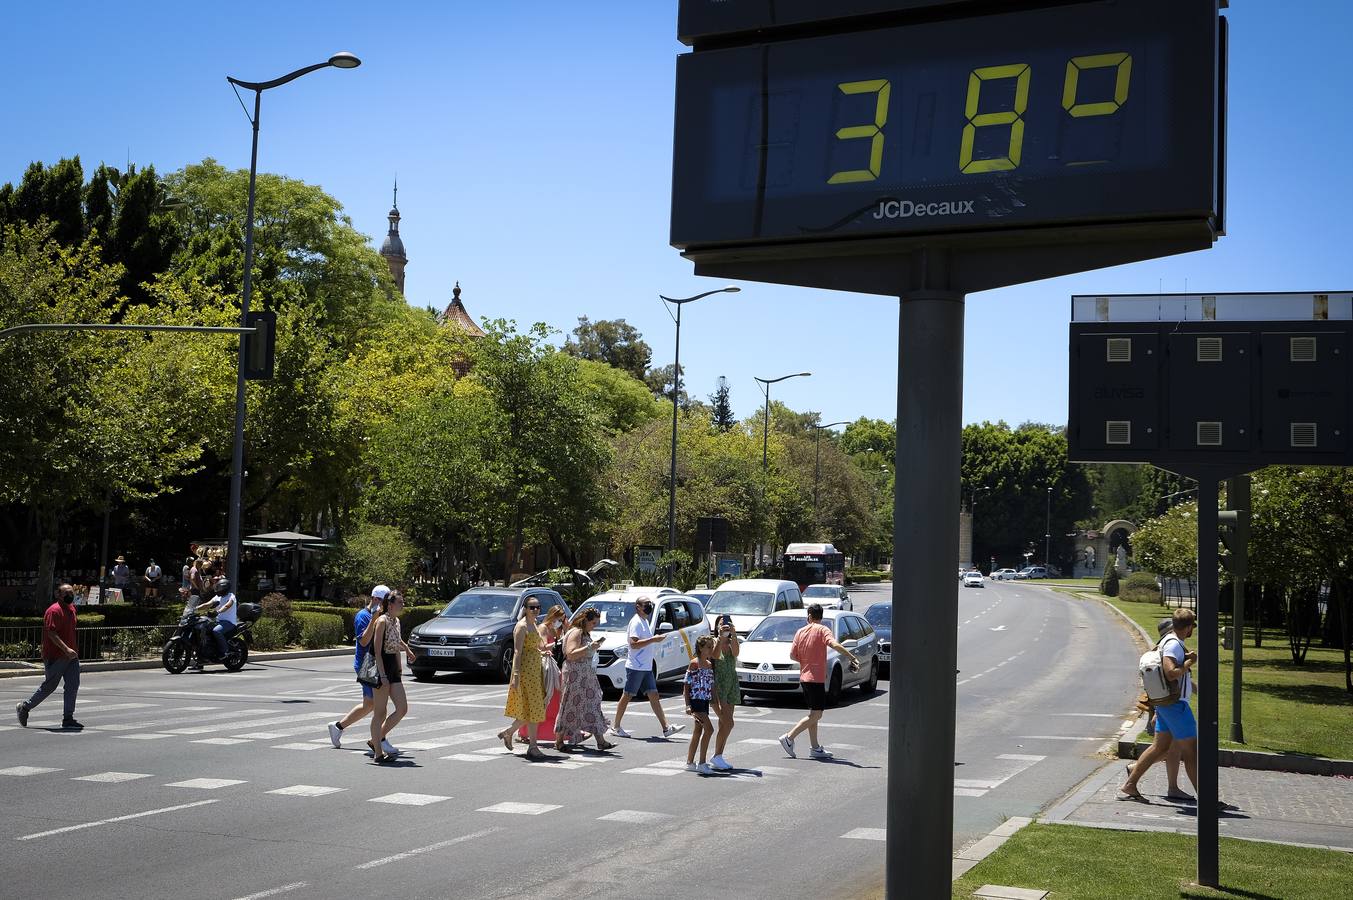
(823, 590)
(741, 603)
(778, 629)
(880, 615)
(615, 614)
(473, 605)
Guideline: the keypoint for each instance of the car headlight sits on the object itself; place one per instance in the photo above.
(484, 639)
(621, 652)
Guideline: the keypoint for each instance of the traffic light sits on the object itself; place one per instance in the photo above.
(257, 349)
(1234, 528)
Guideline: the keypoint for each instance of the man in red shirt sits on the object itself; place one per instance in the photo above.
(60, 660)
(810, 652)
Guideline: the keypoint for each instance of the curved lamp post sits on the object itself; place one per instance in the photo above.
(342, 60)
(765, 434)
(817, 460)
(676, 396)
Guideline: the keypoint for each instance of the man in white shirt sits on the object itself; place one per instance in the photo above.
(639, 669)
(1175, 724)
(227, 615)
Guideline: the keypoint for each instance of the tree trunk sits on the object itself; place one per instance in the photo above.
(48, 524)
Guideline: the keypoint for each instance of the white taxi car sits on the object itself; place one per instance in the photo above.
(680, 617)
(749, 600)
(764, 665)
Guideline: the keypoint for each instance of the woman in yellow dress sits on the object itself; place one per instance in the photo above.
(526, 690)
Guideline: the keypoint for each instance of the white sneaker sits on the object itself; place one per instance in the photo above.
(620, 732)
(388, 748)
(336, 735)
(692, 767)
(788, 746)
(820, 753)
(671, 730)
(718, 762)
(704, 769)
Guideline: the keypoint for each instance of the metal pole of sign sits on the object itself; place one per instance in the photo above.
(925, 544)
(1206, 637)
(1238, 498)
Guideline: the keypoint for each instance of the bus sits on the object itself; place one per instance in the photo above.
(806, 564)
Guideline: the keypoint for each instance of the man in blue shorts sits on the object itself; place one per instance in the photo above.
(1175, 725)
(360, 624)
(639, 669)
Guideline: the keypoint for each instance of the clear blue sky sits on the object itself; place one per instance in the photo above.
(532, 139)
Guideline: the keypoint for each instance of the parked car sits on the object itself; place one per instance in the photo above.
(589, 578)
(474, 632)
(1032, 572)
(701, 594)
(749, 600)
(880, 616)
(828, 596)
(680, 616)
(764, 665)
(974, 579)
(1003, 575)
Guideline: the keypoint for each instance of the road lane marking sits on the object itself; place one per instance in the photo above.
(222, 742)
(867, 834)
(180, 720)
(652, 770)
(111, 777)
(634, 817)
(271, 720)
(295, 746)
(1087, 715)
(24, 771)
(428, 849)
(206, 784)
(275, 891)
(1057, 737)
(468, 757)
(306, 790)
(141, 737)
(520, 809)
(83, 825)
(402, 799)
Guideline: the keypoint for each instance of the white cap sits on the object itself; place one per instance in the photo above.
(380, 592)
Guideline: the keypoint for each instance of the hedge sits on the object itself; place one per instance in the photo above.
(303, 623)
(1140, 587)
(414, 616)
(83, 620)
(269, 634)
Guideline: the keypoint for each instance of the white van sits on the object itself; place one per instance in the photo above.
(680, 617)
(749, 600)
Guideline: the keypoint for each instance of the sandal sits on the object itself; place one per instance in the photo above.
(605, 745)
(559, 745)
(506, 738)
(1135, 796)
(535, 755)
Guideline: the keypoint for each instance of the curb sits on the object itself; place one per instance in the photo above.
(1263, 761)
(131, 664)
(974, 853)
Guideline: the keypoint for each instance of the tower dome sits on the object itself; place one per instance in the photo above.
(392, 248)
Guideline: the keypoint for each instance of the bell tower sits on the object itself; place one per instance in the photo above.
(393, 248)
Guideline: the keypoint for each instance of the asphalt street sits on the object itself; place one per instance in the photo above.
(223, 785)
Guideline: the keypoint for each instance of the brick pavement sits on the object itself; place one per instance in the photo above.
(1270, 806)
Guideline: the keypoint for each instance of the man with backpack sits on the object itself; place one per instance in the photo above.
(1175, 725)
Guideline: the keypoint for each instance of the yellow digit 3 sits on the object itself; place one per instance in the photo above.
(1123, 78)
(1012, 117)
(874, 132)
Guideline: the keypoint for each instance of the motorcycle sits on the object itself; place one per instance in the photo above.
(193, 640)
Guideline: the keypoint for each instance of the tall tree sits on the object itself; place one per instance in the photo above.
(721, 410)
(612, 341)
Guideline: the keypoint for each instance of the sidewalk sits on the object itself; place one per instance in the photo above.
(1280, 807)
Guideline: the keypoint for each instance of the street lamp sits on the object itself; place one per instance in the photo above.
(676, 395)
(341, 60)
(765, 435)
(1047, 529)
(817, 460)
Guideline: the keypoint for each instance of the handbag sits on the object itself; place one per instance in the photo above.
(368, 674)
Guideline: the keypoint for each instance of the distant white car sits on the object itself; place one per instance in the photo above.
(974, 579)
(764, 665)
(1003, 575)
(749, 600)
(828, 596)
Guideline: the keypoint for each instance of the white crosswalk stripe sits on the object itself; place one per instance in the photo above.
(112, 777)
(403, 799)
(207, 784)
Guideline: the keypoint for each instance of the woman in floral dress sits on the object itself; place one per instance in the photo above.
(580, 708)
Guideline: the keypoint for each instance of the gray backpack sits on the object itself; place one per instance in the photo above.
(1159, 690)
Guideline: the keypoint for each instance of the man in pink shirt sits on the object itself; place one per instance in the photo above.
(810, 652)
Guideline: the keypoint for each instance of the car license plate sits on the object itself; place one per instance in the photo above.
(765, 678)
(441, 651)
(885, 657)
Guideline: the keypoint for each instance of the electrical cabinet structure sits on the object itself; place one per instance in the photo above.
(1237, 381)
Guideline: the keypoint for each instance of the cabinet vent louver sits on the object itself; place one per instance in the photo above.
(1209, 349)
(1119, 350)
(1209, 434)
(1303, 434)
(1303, 349)
(1117, 432)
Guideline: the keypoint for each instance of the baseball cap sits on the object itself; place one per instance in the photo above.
(380, 591)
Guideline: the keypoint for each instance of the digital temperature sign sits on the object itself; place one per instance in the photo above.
(1080, 114)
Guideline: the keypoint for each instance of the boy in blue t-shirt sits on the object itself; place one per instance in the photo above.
(360, 623)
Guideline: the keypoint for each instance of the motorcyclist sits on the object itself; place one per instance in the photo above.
(226, 610)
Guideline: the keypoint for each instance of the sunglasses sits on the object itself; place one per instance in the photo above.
(533, 606)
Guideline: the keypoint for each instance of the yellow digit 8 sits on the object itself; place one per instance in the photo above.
(875, 132)
(1012, 117)
(1122, 79)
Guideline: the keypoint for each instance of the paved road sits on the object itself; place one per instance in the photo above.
(225, 786)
